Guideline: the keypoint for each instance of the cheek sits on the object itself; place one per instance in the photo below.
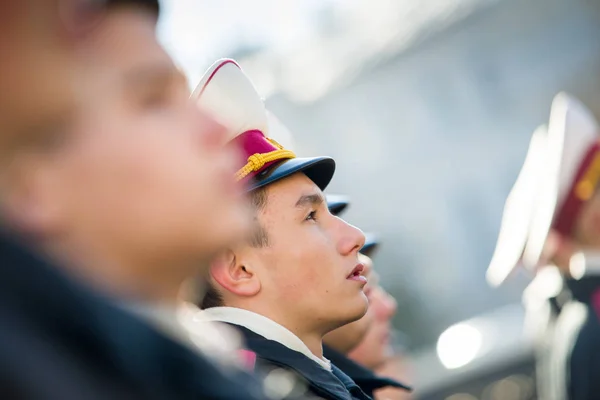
(380, 312)
(312, 264)
(117, 174)
(295, 272)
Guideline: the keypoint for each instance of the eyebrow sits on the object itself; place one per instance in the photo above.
(314, 199)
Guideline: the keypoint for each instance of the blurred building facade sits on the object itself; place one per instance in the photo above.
(429, 141)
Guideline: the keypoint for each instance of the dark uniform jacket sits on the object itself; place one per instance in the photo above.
(583, 362)
(321, 383)
(366, 379)
(58, 340)
(570, 351)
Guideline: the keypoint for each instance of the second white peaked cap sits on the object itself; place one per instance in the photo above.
(336, 203)
(518, 212)
(571, 133)
(279, 132)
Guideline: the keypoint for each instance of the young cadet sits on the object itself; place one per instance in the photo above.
(517, 217)
(565, 233)
(366, 340)
(120, 203)
(298, 276)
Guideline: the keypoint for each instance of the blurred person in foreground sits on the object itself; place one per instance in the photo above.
(369, 336)
(118, 202)
(550, 227)
(298, 277)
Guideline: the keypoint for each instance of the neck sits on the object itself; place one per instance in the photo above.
(314, 344)
(313, 340)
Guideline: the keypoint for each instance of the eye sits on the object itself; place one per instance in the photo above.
(312, 216)
(154, 99)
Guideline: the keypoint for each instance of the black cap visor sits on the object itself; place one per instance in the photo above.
(337, 203)
(318, 169)
(371, 244)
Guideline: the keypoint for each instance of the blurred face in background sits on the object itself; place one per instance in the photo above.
(350, 335)
(375, 348)
(587, 227)
(141, 182)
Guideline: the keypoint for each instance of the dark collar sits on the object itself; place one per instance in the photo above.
(584, 289)
(97, 334)
(364, 377)
(334, 384)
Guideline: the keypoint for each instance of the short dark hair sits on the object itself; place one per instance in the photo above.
(152, 5)
(258, 238)
(212, 298)
(258, 200)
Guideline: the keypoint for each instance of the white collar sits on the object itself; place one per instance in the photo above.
(263, 326)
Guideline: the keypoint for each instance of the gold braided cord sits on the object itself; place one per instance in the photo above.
(587, 184)
(258, 160)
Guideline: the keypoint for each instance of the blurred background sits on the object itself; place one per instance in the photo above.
(427, 106)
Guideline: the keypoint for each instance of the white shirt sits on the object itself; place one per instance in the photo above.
(260, 325)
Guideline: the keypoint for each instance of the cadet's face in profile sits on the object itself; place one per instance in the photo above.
(347, 337)
(143, 172)
(374, 349)
(307, 269)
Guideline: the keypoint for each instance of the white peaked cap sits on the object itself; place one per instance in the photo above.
(572, 130)
(518, 212)
(229, 96)
(226, 93)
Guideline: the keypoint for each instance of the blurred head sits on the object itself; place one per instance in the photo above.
(347, 337)
(141, 186)
(567, 209)
(300, 267)
(41, 68)
(374, 349)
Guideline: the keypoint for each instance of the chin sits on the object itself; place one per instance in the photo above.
(350, 310)
(359, 308)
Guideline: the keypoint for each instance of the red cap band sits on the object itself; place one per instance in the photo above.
(581, 190)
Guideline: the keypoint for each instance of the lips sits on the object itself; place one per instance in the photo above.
(356, 274)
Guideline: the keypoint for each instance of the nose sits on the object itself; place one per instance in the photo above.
(351, 239)
(390, 305)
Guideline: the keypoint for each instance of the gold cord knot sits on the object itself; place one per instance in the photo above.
(256, 161)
